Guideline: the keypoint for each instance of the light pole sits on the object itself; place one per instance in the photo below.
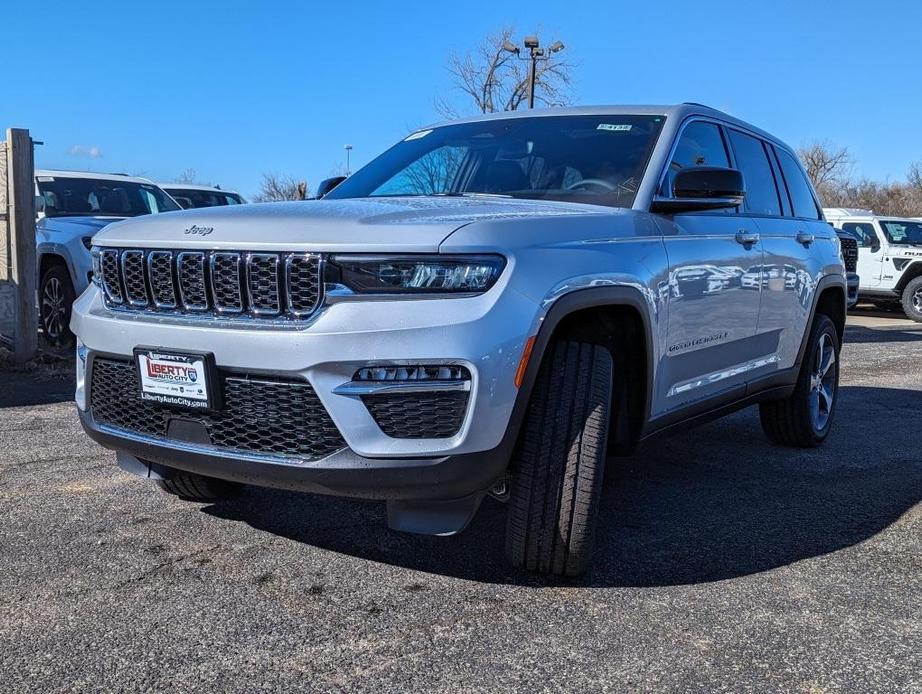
(535, 53)
(348, 152)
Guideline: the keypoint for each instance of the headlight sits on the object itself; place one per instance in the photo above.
(97, 267)
(432, 274)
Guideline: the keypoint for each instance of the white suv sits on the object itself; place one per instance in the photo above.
(889, 256)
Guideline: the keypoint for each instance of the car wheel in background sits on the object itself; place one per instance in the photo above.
(55, 297)
(912, 299)
(189, 486)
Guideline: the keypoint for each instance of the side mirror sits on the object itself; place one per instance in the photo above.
(875, 245)
(39, 206)
(703, 188)
(328, 184)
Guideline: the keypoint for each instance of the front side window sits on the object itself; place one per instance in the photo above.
(863, 231)
(752, 159)
(801, 194)
(700, 144)
(902, 231)
(589, 159)
(193, 197)
(90, 197)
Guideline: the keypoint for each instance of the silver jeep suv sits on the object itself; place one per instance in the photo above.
(492, 306)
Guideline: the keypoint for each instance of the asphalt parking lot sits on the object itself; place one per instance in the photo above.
(723, 564)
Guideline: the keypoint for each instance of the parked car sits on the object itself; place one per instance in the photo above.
(190, 196)
(889, 257)
(492, 306)
(71, 207)
(850, 257)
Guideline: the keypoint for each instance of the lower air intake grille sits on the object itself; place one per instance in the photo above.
(258, 416)
(418, 415)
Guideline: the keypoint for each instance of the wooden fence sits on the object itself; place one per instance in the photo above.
(18, 310)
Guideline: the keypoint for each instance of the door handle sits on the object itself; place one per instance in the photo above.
(746, 238)
(805, 238)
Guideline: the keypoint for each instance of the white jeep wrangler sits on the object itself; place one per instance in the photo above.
(889, 256)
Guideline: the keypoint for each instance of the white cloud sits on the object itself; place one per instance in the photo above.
(91, 151)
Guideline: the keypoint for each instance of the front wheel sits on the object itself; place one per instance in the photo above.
(805, 418)
(912, 300)
(559, 461)
(56, 295)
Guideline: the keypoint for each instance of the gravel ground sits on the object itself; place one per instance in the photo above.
(723, 564)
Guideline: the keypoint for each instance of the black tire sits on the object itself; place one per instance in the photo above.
(912, 299)
(804, 419)
(191, 487)
(55, 298)
(559, 462)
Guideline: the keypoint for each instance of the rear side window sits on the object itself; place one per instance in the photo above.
(801, 195)
(863, 231)
(752, 159)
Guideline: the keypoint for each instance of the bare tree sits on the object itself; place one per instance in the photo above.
(277, 187)
(187, 176)
(825, 164)
(493, 79)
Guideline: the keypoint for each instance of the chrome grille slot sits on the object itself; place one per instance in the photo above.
(191, 269)
(302, 277)
(225, 282)
(239, 285)
(133, 276)
(111, 276)
(262, 282)
(160, 275)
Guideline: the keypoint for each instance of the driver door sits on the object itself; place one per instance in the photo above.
(870, 252)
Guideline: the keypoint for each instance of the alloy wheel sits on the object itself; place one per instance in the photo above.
(54, 309)
(822, 382)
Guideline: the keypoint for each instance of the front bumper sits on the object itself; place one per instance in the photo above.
(341, 474)
(486, 334)
(852, 281)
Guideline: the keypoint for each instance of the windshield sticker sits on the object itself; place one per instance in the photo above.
(44, 179)
(417, 135)
(613, 127)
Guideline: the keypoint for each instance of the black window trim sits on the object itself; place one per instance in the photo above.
(816, 203)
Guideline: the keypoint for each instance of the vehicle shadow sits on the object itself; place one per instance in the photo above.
(705, 505)
(858, 334)
(42, 385)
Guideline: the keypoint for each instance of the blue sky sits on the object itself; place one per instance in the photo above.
(234, 89)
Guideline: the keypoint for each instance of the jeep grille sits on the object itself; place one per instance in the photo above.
(222, 283)
(849, 253)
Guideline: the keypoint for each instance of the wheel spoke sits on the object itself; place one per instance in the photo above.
(828, 361)
(826, 396)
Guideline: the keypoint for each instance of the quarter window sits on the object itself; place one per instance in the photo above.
(752, 160)
(801, 195)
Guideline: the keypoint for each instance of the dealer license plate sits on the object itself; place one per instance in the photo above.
(176, 378)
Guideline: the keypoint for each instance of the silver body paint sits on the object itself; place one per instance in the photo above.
(721, 314)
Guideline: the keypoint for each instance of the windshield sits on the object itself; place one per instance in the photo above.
(590, 159)
(902, 231)
(92, 197)
(191, 197)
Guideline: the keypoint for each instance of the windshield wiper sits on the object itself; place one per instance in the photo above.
(457, 194)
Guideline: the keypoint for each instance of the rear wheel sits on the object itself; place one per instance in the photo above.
(805, 418)
(559, 462)
(56, 295)
(912, 299)
(189, 486)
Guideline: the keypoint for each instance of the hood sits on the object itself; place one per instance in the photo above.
(368, 225)
(89, 225)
